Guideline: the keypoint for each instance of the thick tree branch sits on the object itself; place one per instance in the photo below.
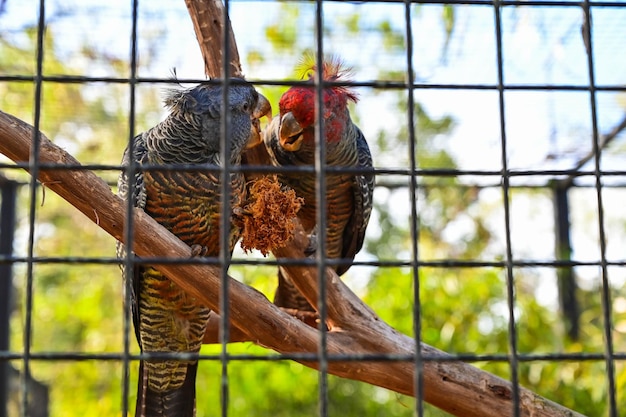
(208, 22)
(452, 386)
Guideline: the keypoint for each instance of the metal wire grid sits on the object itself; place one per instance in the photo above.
(513, 357)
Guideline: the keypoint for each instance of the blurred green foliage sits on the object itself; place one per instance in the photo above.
(78, 307)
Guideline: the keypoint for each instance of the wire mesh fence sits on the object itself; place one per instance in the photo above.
(496, 130)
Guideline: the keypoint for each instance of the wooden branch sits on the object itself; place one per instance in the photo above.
(455, 387)
(452, 386)
(208, 22)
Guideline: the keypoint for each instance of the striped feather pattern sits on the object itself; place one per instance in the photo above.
(178, 324)
(187, 204)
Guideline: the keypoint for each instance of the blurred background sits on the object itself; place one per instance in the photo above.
(558, 208)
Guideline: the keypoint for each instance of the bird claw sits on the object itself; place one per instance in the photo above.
(309, 318)
(239, 212)
(198, 250)
(311, 248)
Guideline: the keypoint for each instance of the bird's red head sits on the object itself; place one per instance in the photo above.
(297, 105)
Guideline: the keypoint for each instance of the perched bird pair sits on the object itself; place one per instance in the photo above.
(187, 203)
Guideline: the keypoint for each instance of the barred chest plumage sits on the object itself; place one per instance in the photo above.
(189, 205)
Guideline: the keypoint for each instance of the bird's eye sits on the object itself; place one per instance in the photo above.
(246, 107)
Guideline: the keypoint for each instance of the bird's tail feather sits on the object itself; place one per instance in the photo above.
(179, 402)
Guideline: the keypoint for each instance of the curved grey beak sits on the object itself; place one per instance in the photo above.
(290, 133)
(263, 109)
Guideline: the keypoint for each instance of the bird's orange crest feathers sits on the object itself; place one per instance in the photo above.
(333, 69)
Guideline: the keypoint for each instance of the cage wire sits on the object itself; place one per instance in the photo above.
(588, 174)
